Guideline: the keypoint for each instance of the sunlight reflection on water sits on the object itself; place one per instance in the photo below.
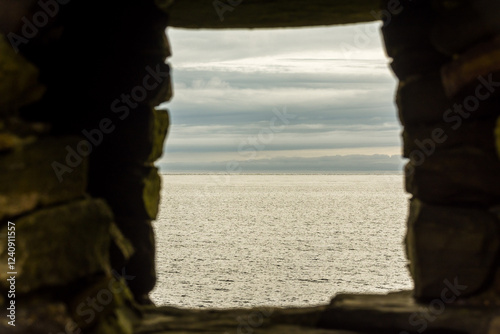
(279, 240)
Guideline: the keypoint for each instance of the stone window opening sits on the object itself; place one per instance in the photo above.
(82, 238)
(306, 81)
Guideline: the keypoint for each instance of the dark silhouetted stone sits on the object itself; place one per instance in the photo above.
(449, 244)
(19, 85)
(422, 100)
(399, 313)
(460, 175)
(442, 135)
(278, 13)
(463, 24)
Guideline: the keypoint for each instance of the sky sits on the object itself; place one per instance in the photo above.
(281, 100)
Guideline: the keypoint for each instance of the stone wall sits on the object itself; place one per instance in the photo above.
(445, 54)
(79, 133)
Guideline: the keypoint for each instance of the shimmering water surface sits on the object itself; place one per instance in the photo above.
(278, 240)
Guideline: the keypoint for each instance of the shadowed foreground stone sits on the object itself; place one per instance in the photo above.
(36, 183)
(40, 315)
(464, 174)
(105, 307)
(257, 320)
(395, 313)
(464, 23)
(428, 139)
(426, 90)
(114, 310)
(398, 313)
(139, 195)
(59, 245)
(465, 240)
(19, 84)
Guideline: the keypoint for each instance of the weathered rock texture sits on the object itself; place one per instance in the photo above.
(85, 224)
(396, 313)
(448, 102)
(271, 14)
(79, 134)
(31, 160)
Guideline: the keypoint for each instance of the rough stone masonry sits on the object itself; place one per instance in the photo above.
(79, 133)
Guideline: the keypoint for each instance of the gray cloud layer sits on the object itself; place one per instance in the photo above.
(227, 84)
(329, 164)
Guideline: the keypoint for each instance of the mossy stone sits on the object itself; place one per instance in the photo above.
(19, 85)
(28, 179)
(59, 245)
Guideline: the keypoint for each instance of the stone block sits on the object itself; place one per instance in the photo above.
(28, 179)
(449, 244)
(141, 263)
(106, 306)
(494, 325)
(59, 245)
(399, 313)
(460, 175)
(464, 24)
(19, 85)
(137, 139)
(417, 61)
(430, 138)
(475, 73)
(131, 190)
(164, 91)
(123, 244)
(158, 134)
(279, 13)
(149, 28)
(164, 4)
(9, 142)
(407, 29)
(422, 100)
(40, 314)
(407, 40)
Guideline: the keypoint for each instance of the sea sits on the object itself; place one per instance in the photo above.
(226, 241)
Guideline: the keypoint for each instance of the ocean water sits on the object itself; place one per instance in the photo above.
(278, 240)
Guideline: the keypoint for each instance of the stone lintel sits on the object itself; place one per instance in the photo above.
(210, 14)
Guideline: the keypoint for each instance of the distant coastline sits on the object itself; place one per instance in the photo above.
(339, 164)
(286, 173)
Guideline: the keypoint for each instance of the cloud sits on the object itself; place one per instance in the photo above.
(206, 46)
(213, 83)
(227, 84)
